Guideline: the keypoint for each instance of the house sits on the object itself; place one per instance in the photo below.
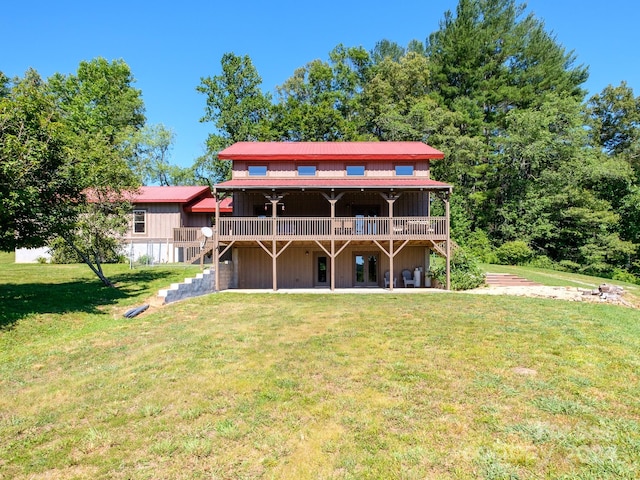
(166, 223)
(165, 226)
(331, 214)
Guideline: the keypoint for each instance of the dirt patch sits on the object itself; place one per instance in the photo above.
(573, 294)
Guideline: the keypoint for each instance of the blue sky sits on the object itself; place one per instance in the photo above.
(170, 46)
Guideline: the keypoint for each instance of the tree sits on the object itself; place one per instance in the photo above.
(321, 101)
(151, 162)
(236, 106)
(487, 61)
(103, 113)
(38, 181)
(615, 119)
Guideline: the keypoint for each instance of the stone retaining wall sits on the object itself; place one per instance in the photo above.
(202, 284)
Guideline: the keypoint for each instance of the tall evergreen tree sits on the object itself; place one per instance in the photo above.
(486, 61)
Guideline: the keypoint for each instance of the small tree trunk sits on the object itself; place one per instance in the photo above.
(98, 271)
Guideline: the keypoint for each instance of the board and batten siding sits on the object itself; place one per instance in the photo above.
(315, 205)
(330, 169)
(162, 218)
(296, 269)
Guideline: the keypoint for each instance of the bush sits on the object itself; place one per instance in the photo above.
(516, 252)
(145, 260)
(479, 246)
(624, 276)
(465, 272)
(62, 253)
(568, 266)
(543, 262)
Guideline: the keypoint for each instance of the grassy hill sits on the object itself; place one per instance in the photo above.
(310, 386)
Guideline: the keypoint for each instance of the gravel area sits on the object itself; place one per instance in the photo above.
(574, 294)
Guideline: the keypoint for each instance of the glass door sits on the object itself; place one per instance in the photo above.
(364, 226)
(366, 269)
(321, 273)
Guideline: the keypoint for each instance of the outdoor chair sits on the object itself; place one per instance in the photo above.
(387, 281)
(407, 278)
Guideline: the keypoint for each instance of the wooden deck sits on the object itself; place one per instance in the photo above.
(320, 229)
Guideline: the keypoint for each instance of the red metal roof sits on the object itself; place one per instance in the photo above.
(169, 194)
(208, 205)
(273, 151)
(268, 183)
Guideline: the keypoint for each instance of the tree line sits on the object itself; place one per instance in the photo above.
(540, 171)
(536, 164)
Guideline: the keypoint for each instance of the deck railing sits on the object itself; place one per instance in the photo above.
(185, 235)
(314, 228)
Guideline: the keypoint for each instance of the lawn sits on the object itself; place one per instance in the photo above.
(311, 386)
(557, 278)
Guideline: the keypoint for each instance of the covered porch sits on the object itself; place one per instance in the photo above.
(340, 241)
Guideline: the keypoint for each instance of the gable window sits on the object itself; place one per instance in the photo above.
(306, 170)
(404, 170)
(257, 170)
(355, 170)
(139, 221)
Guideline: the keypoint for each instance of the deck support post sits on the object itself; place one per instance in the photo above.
(333, 199)
(448, 241)
(274, 199)
(216, 243)
(391, 198)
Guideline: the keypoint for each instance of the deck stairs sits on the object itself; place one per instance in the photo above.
(508, 280)
(193, 252)
(202, 284)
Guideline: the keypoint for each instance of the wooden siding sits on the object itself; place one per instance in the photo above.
(329, 169)
(162, 218)
(315, 205)
(296, 269)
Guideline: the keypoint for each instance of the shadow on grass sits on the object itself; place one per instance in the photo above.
(79, 296)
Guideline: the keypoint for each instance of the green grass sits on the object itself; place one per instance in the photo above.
(315, 386)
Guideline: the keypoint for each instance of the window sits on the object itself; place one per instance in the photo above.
(306, 170)
(257, 170)
(404, 170)
(355, 170)
(139, 221)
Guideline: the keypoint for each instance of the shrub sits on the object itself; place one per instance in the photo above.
(61, 252)
(479, 246)
(145, 259)
(568, 266)
(543, 261)
(465, 272)
(624, 276)
(516, 252)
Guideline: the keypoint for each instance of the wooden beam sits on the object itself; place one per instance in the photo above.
(216, 242)
(259, 242)
(283, 248)
(227, 248)
(448, 241)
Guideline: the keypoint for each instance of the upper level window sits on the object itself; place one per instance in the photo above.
(355, 170)
(306, 170)
(139, 221)
(404, 170)
(257, 170)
